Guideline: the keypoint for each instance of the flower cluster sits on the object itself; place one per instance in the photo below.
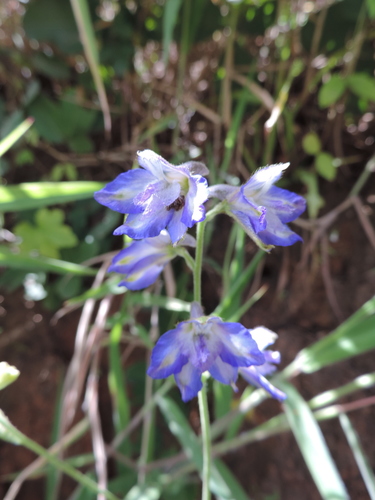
(161, 202)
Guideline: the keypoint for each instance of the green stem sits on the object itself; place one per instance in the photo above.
(198, 261)
(206, 443)
(55, 462)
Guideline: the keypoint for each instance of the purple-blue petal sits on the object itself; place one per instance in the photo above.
(147, 224)
(285, 204)
(145, 279)
(189, 382)
(224, 372)
(167, 357)
(119, 194)
(253, 377)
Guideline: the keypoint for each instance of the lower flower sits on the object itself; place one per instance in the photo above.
(203, 344)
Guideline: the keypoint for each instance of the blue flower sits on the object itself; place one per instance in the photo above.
(203, 344)
(142, 261)
(263, 209)
(255, 375)
(158, 196)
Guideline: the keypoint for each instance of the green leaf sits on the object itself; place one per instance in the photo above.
(17, 261)
(48, 235)
(180, 428)
(313, 446)
(363, 85)
(353, 337)
(324, 164)
(331, 91)
(8, 374)
(82, 16)
(170, 14)
(313, 198)
(371, 8)
(13, 137)
(311, 143)
(359, 455)
(40, 194)
(143, 493)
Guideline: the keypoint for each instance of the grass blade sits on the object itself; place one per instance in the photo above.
(30, 195)
(87, 35)
(361, 459)
(17, 261)
(354, 336)
(313, 446)
(13, 137)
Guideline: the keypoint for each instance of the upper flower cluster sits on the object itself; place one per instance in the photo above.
(157, 196)
(163, 196)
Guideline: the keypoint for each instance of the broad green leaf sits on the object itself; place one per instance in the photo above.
(313, 446)
(8, 374)
(311, 143)
(170, 13)
(353, 337)
(31, 195)
(17, 261)
(359, 455)
(13, 137)
(48, 235)
(331, 91)
(324, 164)
(363, 85)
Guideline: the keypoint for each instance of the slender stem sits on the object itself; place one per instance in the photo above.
(206, 443)
(198, 261)
(202, 395)
(61, 465)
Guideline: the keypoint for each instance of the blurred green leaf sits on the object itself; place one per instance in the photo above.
(6, 430)
(311, 143)
(39, 194)
(313, 446)
(363, 85)
(143, 493)
(13, 137)
(314, 201)
(170, 16)
(371, 8)
(17, 261)
(359, 455)
(353, 337)
(48, 235)
(324, 164)
(331, 91)
(52, 21)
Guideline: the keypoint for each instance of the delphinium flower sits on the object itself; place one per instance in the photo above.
(203, 344)
(143, 260)
(157, 196)
(261, 208)
(255, 375)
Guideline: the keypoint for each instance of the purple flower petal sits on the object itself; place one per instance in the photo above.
(252, 375)
(189, 382)
(119, 194)
(167, 357)
(223, 372)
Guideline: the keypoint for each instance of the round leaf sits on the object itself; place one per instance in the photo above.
(325, 166)
(311, 143)
(331, 91)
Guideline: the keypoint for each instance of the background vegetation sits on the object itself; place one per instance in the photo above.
(84, 84)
